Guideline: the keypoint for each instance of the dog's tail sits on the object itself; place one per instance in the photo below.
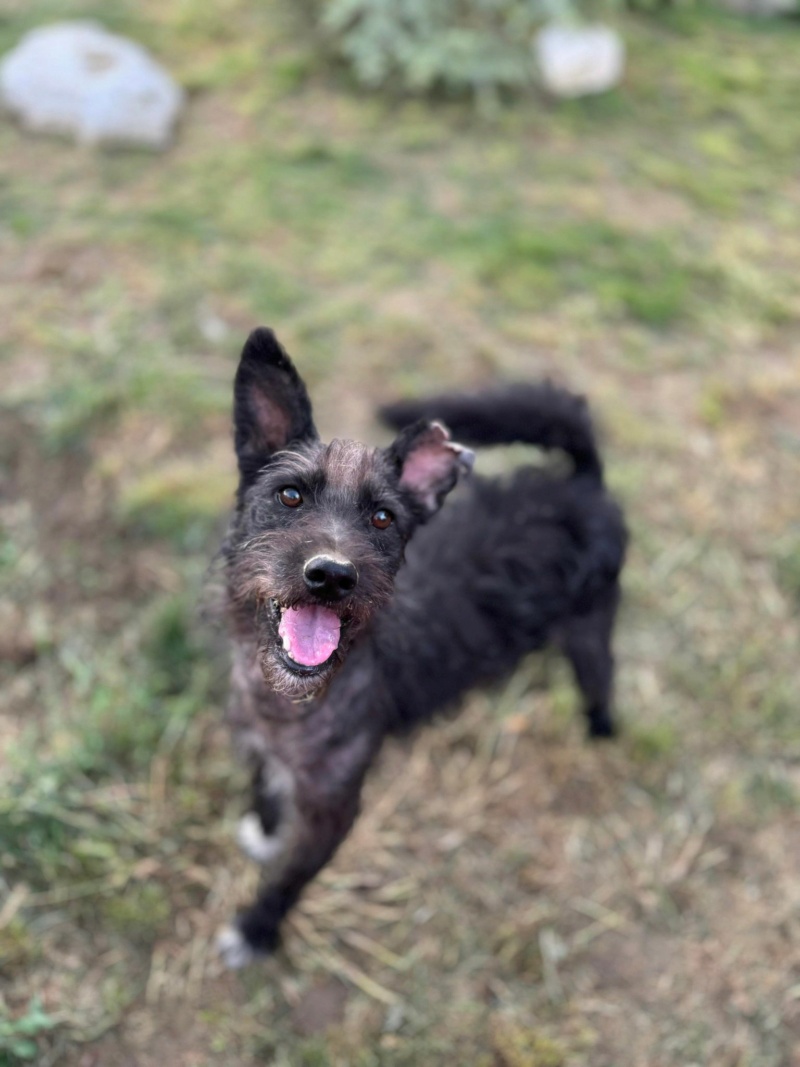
(542, 414)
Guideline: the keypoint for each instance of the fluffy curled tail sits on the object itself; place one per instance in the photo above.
(541, 414)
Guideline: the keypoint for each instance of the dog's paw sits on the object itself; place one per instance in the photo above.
(234, 949)
(602, 730)
(261, 847)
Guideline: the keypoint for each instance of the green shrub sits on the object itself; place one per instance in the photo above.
(18, 1036)
(480, 46)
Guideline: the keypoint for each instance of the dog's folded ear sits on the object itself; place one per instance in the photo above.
(428, 464)
(271, 408)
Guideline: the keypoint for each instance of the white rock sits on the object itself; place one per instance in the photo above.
(577, 61)
(76, 78)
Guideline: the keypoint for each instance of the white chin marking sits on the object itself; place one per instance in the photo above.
(233, 948)
(261, 847)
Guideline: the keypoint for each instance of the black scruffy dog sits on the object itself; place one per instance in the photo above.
(359, 610)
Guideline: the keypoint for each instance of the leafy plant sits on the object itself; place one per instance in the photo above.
(18, 1036)
(478, 45)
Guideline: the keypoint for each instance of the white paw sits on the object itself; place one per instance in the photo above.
(261, 847)
(233, 948)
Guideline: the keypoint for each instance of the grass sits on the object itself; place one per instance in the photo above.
(511, 896)
(624, 274)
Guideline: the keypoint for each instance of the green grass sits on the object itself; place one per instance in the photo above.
(524, 893)
(788, 568)
(536, 265)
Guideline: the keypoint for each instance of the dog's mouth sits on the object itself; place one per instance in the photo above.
(308, 636)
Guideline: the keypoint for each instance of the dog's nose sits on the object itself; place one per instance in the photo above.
(331, 578)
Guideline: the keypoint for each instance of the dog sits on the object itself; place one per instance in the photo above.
(359, 609)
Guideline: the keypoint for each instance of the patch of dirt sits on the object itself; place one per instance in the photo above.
(319, 1008)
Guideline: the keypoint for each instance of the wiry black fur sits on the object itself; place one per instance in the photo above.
(510, 565)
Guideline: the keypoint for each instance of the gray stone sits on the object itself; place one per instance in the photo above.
(77, 79)
(579, 60)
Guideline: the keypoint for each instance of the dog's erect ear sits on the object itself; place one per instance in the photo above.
(428, 464)
(270, 403)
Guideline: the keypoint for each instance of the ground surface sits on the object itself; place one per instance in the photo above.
(513, 897)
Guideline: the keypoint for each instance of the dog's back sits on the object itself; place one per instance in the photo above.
(511, 564)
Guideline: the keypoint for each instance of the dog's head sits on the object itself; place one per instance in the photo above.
(320, 529)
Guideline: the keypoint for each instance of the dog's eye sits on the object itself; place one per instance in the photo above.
(382, 519)
(290, 497)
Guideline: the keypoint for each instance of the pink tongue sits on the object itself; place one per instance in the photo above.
(310, 633)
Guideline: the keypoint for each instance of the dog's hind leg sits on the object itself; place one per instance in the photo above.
(586, 642)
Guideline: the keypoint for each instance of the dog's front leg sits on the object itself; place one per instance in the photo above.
(316, 814)
(257, 929)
